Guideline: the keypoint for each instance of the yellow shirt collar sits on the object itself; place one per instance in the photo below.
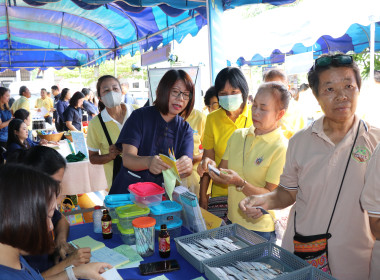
(268, 137)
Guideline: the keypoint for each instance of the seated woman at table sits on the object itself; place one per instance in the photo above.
(28, 203)
(254, 157)
(49, 161)
(88, 106)
(154, 130)
(25, 116)
(113, 114)
(18, 137)
(73, 114)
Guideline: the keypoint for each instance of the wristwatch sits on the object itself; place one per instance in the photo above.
(70, 273)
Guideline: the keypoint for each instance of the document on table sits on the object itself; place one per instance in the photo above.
(131, 254)
(79, 142)
(110, 256)
(112, 274)
(101, 253)
(87, 241)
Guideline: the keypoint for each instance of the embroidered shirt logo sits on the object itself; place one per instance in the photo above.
(361, 154)
(259, 160)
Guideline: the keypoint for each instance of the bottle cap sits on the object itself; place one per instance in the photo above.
(97, 207)
(163, 226)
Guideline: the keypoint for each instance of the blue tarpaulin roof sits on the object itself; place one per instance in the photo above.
(319, 26)
(72, 33)
(66, 35)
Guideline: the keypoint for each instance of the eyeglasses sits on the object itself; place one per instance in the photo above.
(177, 93)
(338, 59)
(214, 106)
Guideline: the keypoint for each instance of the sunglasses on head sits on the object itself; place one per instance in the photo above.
(338, 59)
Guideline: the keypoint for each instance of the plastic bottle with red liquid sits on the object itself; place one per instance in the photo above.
(164, 242)
(106, 225)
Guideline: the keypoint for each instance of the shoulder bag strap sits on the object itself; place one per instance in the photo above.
(105, 129)
(344, 175)
(341, 184)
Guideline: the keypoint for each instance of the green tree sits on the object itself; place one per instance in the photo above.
(123, 70)
(363, 60)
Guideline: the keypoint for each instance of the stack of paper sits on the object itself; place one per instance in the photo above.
(101, 253)
(131, 254)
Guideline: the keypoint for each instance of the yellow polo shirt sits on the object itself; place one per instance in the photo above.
(21, 103)
(197, 121)
(97, 140)
(264, 159)
(293, 120)
(219, 128)
(46, 103)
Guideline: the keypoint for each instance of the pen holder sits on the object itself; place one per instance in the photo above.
(144, 233)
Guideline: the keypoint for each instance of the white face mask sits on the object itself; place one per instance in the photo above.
(112, 99)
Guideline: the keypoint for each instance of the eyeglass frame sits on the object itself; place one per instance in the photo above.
(184, 96)
(211, 106)
(333, 60)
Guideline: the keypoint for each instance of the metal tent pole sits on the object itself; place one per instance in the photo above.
(372, 52)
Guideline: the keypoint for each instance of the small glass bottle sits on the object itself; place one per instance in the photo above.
(164, 242)
(106, 225)
(97, 219)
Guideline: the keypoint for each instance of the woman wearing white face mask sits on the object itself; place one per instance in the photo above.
(104, 129)
(232, 89)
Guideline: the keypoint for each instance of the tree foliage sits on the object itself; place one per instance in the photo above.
(363, 60)
(123, 70)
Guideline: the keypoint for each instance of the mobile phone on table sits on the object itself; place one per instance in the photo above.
(213, 169)
(158, 267)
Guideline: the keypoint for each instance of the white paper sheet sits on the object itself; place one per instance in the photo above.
(112, 274)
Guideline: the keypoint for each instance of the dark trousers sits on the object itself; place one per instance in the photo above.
(60, 126)
(49, 119)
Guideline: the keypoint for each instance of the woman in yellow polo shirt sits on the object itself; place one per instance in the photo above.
(254, 157)
(232, 89)
(113, 114)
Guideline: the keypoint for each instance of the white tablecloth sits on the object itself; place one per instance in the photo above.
(83, 177)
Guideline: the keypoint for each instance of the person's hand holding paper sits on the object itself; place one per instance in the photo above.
(184, 166)
(157, 165)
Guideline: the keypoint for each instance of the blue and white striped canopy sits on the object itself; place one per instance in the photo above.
(72, 33)
(67, 35)
(319, 26)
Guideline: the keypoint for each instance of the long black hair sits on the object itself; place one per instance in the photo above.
(14, 125)
(75, 98)
(25, 198)
(41, 158)
(21, 114)
(64, 92)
